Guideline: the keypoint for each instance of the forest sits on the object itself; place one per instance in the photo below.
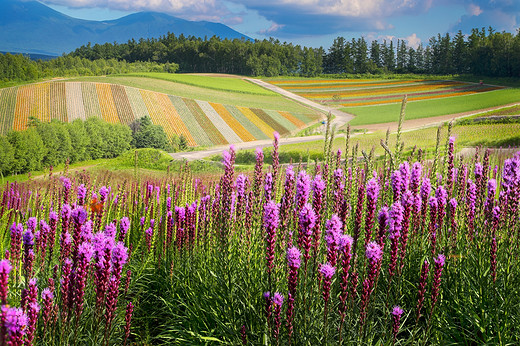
(484, 52)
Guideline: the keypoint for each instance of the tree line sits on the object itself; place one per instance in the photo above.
(21, 68)
(45, 144)
(483, 52)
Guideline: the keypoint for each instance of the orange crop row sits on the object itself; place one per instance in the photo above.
(174, 120)
(106, 103)
(124, 110)
(383, 91)
(232, 122)
(292, 119)
(248, 113)
(418, 98)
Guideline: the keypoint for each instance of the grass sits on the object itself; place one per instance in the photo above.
(151, 162)
(274, 101)
(216, 83)
(432, 108)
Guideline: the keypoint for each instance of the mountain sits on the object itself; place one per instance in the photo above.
(32, 27)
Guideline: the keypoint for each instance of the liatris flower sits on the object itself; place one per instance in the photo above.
(16, 243)
(275, 155)
(48, 302)
(103, 194)
(268, 187)
(15, 324)
(127, 280)
(5, 269)
(66, 214)
(442, 198)
(359, 212)
(258, 180)
(397, 184)
(372, 194)
(433, 222)
(271, 220)
(339, 187)
(65, 245)
(397, 312)
(437, 272)
(124, 225)
(345, 247)
(32, 223)
(327, 272)
(148, 234)
(306, 222)
(277, 302)
(408, 200)
(118, 259)
(85, 252)
(268, 307)
(374, 255)
(450, 177)
(293, 261)
(111, 303)
(490, 200)
(383, 220)
(32, 314)
(303, 184)
(334, 228)
(66, 298)
(287, 203)
(53, 224)
(471, 198)
(180, 223)
(318, 188)
(66, 188)
(426, 188)
(423, 280)
(81, 193)
(415, 177)
(28, 257)
(128, 320)
(243, 334)
(493, 259)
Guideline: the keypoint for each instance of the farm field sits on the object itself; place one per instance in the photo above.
(378, 101)
(256, 98)
(202, 123)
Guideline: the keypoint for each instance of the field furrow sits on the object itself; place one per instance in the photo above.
(136, 102)
(24, 102)
(75, 104)
(173, 118)
(189, 120)
(276, 116)
(58, 106)
(246, 123)
(270, 121)
(90, 100)
(219, 123)
(7, 109)
(262, 125)
(297, 122)
(124, 110)
(106, 103)
(232, 122)
(213, 133)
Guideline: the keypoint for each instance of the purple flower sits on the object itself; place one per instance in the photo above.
(440, 260)
(124, 225)
(373, 252)
(119, 255)
(327, 271)
(79, 215)
(15, 320)
(66, 211)
(5, 269)
(344, 241)
(32, 223)
(293, 257)
(28, 238)
(86, 250)
(82, 193)
(103, 193)
(396, 217)
(303, 185)
(397, 311)
(110, 230)
(278, 299)
(66, 182)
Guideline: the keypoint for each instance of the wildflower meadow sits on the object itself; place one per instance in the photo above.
(399, 250)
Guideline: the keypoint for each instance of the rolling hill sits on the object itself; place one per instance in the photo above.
(202, 123)
(32, 27)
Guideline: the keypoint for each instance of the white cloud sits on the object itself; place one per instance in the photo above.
(474, 10)
(413, 41)
(273, 28)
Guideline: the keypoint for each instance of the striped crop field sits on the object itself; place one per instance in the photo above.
(201, 123)
(366, 92)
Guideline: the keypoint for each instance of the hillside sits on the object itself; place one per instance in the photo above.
(203, 123)
(32, 27)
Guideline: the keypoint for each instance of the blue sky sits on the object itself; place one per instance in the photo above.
(317, 22)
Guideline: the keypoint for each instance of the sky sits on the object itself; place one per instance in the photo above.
(318, 22)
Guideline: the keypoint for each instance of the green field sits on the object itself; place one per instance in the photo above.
(431, 108)
(272, 101)
(232, 83)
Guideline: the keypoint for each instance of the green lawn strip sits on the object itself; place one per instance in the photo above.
(375, 85)
(215, 83)
(244, 121)
(504, 81)
(190, 121)
(304, 117)
(430, 108)
(512, 110)
(274, 101)
(281, 120)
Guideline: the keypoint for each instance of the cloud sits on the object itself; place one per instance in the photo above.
(210, 10)
(272, 29)
(413, 40)
(474, 10)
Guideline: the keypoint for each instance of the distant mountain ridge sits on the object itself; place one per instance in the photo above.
(32, 27)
